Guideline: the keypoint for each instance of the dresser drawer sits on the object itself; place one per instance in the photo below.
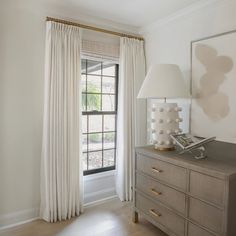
(206, 187)
(206, 215)
(168, 173)
(162, 193)
(161, 215)
(194, 230)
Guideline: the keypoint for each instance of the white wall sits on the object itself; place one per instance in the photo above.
(21, 101)
(99, 186)
(169, 41)
(22, 37)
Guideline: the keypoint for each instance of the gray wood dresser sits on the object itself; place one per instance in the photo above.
(184, 196)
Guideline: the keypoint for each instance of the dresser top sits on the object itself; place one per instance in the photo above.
(220, 161)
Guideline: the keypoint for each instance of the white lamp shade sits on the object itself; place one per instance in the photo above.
(164, 81)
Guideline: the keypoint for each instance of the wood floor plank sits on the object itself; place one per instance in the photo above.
(113, 218)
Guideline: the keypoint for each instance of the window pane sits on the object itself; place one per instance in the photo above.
(85, 161)
(109, 140)
(95, 123)
(95, 160)
(84, 98)
(109, 122)
(109, 158)
(84, 142)
(83, 83)
(108, 85)
(93, 84)
(84, 124)
(94, 142)
(109, 69)
(94, 67)
(108, 102)
(83, 66)
(93, 102)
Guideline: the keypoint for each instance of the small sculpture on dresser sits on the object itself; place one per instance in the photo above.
(192, 144)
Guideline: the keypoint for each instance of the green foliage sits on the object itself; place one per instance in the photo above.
(93, 100)
(94, 138)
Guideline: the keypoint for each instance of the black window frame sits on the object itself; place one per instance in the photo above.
(94, 112)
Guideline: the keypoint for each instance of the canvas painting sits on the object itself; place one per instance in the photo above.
(213, 83)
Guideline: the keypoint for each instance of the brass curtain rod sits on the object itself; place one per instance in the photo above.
(93, 28)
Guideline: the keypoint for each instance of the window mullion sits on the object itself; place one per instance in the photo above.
(102, 116)
(87, 115)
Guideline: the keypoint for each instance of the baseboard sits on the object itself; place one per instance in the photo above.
(99, 195)
(100, 201)
(29, 215)
(18, 218)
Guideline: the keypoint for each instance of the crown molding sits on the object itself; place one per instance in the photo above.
(178, 14)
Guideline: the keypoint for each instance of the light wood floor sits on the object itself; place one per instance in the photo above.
(112, 218)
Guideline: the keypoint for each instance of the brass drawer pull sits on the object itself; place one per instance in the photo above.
(152, 211)
(156, 170)
(155, 191)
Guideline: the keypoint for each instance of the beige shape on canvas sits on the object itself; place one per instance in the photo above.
(214, 103)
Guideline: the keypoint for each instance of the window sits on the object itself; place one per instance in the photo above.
(99, 102)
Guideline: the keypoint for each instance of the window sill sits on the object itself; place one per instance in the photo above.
(99, 175)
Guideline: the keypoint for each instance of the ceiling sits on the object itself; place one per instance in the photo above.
(136, 13)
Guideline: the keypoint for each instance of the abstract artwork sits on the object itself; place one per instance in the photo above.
(213, 85)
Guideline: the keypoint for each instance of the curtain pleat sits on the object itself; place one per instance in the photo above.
(131, 119)
(61, 170)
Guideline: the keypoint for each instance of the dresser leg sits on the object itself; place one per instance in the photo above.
(135, 217)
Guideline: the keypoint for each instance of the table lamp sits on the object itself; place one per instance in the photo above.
(164, 81)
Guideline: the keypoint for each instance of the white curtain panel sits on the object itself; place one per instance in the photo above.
(61, 172)
(131, 118)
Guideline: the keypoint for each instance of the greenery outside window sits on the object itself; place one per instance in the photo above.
(99, 102)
